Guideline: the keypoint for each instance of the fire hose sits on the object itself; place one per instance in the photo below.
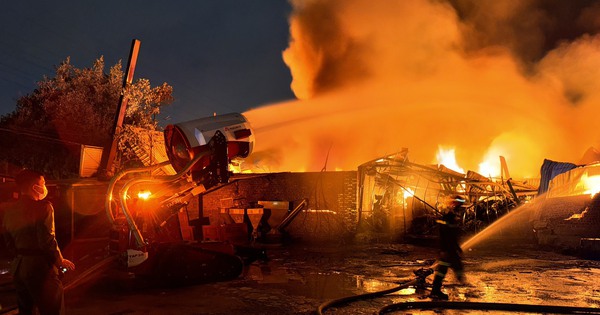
(487, 306)
(420, 282)
(364, 296)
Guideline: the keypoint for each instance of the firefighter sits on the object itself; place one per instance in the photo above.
(450, 251)
(29, 222)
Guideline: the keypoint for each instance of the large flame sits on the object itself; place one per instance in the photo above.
(447, 157)
(591, 184)
(374, 77)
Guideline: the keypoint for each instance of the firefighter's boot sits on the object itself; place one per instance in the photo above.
(436, 290)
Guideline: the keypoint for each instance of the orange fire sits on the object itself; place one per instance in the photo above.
(447, 158)
(375, 78)
(591, 184)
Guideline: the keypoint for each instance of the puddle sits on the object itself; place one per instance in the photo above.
(318, 285)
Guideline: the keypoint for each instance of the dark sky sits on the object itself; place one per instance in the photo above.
(219, 55)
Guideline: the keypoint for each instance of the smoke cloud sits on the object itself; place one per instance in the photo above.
(487, 78)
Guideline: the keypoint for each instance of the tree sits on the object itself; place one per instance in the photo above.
(77, 106)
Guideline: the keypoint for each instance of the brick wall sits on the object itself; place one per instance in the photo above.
(561, 222)
(332, 191)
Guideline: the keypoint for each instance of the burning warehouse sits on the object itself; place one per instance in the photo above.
(155, 211)
(388, 198)
(194, 226)
(372, 79)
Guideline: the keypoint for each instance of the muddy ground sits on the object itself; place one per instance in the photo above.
(297, 279)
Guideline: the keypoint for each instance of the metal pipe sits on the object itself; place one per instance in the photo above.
(512, 191)
(117, 177)
(162, 179)
(292, 215)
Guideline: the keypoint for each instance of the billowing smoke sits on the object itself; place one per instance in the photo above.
(488, 78)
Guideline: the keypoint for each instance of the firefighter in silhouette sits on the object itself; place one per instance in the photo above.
(379, 215)
(450, 251)
(29, 222)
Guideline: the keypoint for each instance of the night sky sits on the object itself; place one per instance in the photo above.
(220, 55)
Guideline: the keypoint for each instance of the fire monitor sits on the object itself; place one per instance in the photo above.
(219, 138)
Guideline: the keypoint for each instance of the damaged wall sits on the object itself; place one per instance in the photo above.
(570, 209)
(331, 200)
(562, 222)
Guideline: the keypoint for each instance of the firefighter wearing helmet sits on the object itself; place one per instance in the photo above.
(450, 251)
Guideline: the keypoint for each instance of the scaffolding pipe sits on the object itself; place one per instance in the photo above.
(292, 215)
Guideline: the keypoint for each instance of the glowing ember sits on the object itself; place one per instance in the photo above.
(578, 216)
(401, 196)
(408, 193)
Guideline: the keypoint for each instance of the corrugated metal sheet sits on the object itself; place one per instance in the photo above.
(551, 169)
(575, 182)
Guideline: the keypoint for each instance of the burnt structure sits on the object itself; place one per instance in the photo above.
(399, 198)
(566, 214)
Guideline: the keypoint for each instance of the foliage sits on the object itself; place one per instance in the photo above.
(77, 106)
(142, 108)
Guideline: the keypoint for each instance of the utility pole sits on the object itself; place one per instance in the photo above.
(106, 169)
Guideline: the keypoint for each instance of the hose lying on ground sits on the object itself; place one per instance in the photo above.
(486, 306)
(419, 281)
(364, 296)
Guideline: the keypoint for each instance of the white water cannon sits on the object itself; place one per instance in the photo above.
(217, 138)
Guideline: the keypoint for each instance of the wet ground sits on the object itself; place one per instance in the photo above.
(296, 280)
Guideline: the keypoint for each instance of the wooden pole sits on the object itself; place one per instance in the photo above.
(110, 150)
